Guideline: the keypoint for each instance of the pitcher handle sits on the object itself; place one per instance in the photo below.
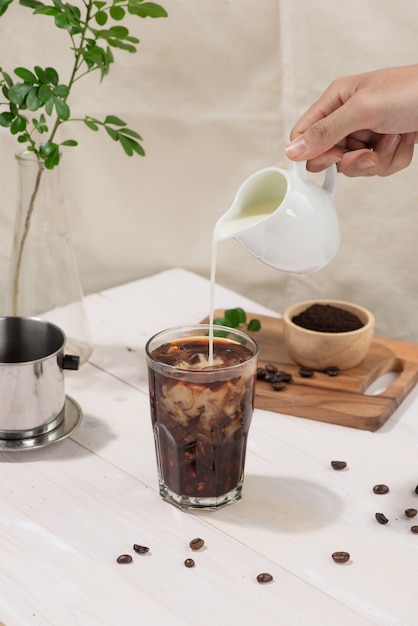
(331, 175)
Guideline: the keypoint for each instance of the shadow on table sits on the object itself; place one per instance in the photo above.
(91, 435)
(283, 504)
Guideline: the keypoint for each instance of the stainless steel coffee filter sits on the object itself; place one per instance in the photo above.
(32, 393)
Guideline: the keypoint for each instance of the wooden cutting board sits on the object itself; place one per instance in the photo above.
(339, 399)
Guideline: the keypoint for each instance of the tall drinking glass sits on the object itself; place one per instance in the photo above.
(201, 410)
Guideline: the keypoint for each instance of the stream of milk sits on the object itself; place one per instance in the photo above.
(227, 227)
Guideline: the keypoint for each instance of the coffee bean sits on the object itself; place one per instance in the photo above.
(264, 578)
(124, 558)
(189, 563)
(140, 549)
(338, 465)
(279, 385)
(333, 370)
(382, 519)
(414, 529)
(270, 378)
(306, 372)
(410, 512)
(285, 376)
(197, 543)
(416, 489)
(261, 373)
(341, 557)
(380, 489)
(271, 368)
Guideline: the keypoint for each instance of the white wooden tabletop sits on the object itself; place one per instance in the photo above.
(70, 509)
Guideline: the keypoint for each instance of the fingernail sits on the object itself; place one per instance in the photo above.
(366, 163)
(392, 143)
(296, 148)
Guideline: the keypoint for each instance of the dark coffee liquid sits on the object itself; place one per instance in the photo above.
(201, 415)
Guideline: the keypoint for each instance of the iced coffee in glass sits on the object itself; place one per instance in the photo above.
(201, 408)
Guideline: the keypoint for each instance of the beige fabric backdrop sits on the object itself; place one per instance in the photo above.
(214, 90)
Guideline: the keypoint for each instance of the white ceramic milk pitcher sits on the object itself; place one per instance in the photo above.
(285, 218)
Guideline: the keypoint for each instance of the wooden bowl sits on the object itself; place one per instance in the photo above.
(319, 350)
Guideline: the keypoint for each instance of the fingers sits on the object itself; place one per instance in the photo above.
(391, 154)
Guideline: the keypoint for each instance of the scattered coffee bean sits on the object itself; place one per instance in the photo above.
(416, 489)
(197, 543)
(279, 385)
(285, 376)
(261, 373)
(189, 563)
(270, 378)
(341, 557)
(333, 370)
(124, 558)
(264, 578)
(414, 529)
(410, 512)
(380, 489)
(271, 368)
(382, 519)
(140, 549)
(306, 372)
(338, 465)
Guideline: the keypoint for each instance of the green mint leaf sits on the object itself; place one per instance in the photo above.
(99, 5)
(242, 316)
(233, 317)
(220, 321)
(254, 325)
(70, 142)
(220, 333)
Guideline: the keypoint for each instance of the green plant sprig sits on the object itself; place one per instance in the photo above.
(237, 318)
(40, 90)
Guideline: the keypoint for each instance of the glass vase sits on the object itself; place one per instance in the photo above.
(43, 277)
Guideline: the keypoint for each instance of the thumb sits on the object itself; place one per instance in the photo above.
(322, 134)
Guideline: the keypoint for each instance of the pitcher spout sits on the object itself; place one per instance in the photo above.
(256, 199)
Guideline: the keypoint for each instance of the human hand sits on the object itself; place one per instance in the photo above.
(367, 124)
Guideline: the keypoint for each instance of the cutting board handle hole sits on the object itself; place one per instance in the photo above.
(381, 383)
